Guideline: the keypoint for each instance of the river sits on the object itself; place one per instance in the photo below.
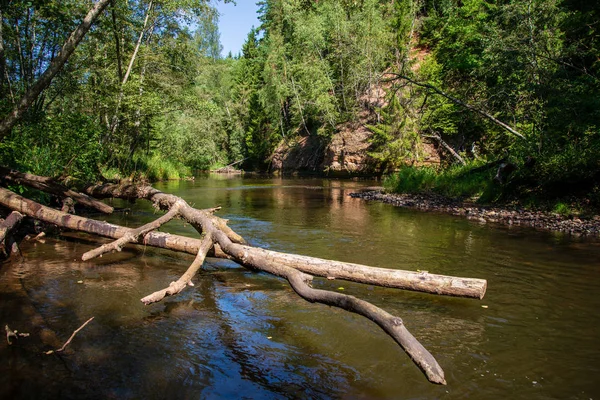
(240, 334)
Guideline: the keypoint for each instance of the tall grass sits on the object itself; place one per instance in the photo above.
(465, 182)
(161, 169)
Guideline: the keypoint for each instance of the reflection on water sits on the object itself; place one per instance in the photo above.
(239, 334)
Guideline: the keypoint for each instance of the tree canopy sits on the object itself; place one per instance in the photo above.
(148, 91)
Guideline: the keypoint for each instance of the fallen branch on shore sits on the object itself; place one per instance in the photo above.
(221, 241)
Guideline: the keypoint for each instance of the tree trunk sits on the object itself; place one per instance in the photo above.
(48, 185)
(6, 226)
(447, 147)
(226, 243)
(55, 66)
(115, 120)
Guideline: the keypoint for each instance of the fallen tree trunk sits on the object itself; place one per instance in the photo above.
(6, 226)
(392, 278)
(48, 185)
(228, 244)
(232, 245)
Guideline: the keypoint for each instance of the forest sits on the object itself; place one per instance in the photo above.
(147, 94)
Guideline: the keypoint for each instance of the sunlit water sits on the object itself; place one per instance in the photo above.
(239, 334)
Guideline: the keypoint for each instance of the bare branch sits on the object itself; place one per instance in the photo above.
(186, 278)
(457, 101)
(133, 235)
(64, 346)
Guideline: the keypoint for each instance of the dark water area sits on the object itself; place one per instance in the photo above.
(240, 334)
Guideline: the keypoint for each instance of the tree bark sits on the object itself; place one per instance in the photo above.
(228, 244)
(55, 66)
(48, 185)
(6, 226)
(447, 147)
(392, 278)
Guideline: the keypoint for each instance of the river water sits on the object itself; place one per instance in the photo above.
(240, 334)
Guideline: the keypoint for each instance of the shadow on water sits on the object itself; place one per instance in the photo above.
(240, 334)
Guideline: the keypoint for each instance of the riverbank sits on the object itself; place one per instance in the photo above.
(577, 226)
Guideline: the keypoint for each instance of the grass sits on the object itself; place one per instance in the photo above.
(160, 169)
(462, 182)
(149, 168)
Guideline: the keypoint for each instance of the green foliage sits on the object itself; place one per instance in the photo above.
(455, 182)
(156, 168)
(395, 138)
(309, 67)
(62, 146)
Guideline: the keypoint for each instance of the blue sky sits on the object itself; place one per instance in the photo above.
(235, 21)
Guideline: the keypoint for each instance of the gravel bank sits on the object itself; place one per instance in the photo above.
(484, 214)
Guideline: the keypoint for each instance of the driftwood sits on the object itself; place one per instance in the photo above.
(220, 241)
(416, 281)
(10, 333)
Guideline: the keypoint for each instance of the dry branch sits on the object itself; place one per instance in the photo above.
(393, 278)
(459, 102)
(299, 281)
(186, 278)
(10, 333)
(64, 346)
(228, 244)
(133, 235)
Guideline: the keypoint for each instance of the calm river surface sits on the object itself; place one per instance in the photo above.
(238, 334)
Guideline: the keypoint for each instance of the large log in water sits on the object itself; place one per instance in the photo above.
(393, 278)
(217, 234)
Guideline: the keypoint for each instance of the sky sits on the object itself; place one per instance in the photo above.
(235, 21)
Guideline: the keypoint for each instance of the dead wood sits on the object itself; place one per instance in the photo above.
(6, 226)
(226, 243)
(64, 346)
(244, 255)
(455, 100)
(10, 333)
(133, 235)
(10, 223)
(186, 278)
(48, 185)
(447, 147)
(392, 278)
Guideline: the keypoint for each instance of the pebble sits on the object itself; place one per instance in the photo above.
(536, 219)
